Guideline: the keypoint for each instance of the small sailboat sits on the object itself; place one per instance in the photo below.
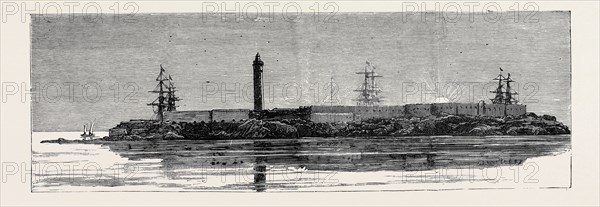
(88, 133)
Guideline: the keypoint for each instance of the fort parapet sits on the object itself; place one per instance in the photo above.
(321, 114)
(342, 113)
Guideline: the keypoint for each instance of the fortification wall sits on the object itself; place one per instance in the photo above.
(367, 112)
(353, 113)
(496, 110)
(418, 110)
(444, 108)
(187, 116)
(333, 109)
(230, 114)
(362, 112)
(516, 110)
(331, 117)
(386, 112)
(467, 109)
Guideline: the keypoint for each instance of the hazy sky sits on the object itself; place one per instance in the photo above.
(103, 70)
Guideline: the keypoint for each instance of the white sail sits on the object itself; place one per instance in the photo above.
(91, 128)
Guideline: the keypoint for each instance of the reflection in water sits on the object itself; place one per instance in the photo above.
(260, 166)
(268, 159)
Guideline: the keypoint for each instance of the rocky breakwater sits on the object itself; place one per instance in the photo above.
(464, 125)
(529, 124)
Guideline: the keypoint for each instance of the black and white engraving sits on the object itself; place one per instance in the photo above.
(351, 102)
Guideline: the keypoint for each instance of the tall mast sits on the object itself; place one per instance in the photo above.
(369, 92)
(91, 128)
(159, 103)
(499, 97)
(365, 91)
(171, 98)
(331, 91)
(509, 98)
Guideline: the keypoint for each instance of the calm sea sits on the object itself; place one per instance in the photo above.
(307, 164)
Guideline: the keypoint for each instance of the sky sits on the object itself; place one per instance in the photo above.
(101, 71)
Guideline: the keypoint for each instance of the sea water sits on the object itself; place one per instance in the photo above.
(305, 164)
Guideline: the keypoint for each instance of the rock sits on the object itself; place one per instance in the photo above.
(484, 130)
(138, 131)
(526, 130)
(528, 124)
(154, 136)
(251, 129)
(304, 130)
(60, 140)
(172, 135)
(403, 132)
(281, 130)
(532, 115)
(557, 129)
(134, 137)
(221, 135)
(548, 117)
(117, 132)
(324, 130)
(379, 132)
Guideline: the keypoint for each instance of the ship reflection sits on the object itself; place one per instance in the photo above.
(264, 160)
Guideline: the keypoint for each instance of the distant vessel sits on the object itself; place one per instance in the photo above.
(88, 132)
(368, 91)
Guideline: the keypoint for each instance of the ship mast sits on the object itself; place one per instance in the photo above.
(171, 98)
(499, 97)
(503, 96)
(369, 91)
(166, 95)
(509, 94)
(331, 91)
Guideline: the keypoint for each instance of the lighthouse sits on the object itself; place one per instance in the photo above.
(257, 66)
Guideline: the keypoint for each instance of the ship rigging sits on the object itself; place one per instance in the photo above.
(166, 100)
(88, 132)
(369, 91)
(504, 93)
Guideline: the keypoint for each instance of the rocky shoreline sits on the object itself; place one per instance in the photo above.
(452, 125)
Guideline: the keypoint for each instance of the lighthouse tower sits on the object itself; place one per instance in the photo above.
(257, 66)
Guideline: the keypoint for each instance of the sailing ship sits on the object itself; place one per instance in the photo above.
(166, 95)
(88, 132)
(504, 93)
(369, 91)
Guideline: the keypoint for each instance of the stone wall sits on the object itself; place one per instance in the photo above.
(331, 117)
(362, 112)
(187, 116)
(467, 109)
(353, 113)
(229, 114)
(386, 112)
(418, 110)
(333, 109)
(444, 108)
(516, 110)
(207, 116)
(495, 110)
